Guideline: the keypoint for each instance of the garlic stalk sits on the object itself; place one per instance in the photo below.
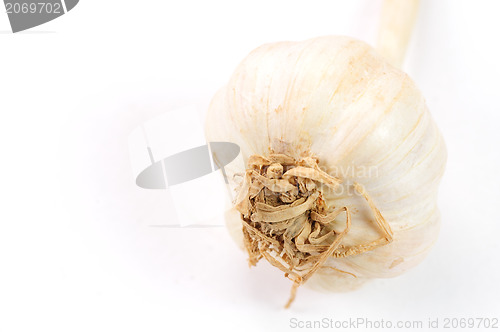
(396, 23)
(343, 162)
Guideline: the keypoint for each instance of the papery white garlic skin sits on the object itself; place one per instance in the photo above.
(335, 98)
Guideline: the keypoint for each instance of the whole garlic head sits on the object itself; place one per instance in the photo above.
(338, 111)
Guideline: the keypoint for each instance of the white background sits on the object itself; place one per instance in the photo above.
(77, 249)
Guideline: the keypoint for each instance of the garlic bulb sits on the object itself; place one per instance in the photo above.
(343, 162)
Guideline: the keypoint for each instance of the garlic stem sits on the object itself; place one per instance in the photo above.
(396, 24)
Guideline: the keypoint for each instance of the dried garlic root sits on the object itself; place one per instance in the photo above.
(286, 221)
